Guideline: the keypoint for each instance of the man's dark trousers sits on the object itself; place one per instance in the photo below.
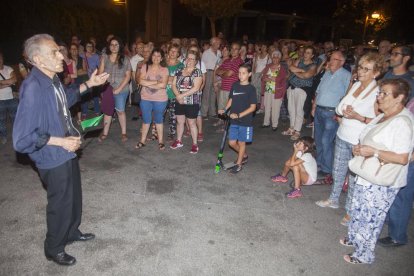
(64, 205)
(401, 209)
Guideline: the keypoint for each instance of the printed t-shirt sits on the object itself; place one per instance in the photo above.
(242, 97)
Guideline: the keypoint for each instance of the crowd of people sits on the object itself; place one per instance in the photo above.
(358, 103)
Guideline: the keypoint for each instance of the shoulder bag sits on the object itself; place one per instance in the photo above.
(372, 168)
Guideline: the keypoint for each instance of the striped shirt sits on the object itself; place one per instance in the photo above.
(233, 65)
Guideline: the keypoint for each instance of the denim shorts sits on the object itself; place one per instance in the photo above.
(241, 133)
(120, 100)
(150, 108)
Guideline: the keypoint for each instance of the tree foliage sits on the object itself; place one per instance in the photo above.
(214, 9)
(58, 18)
(350, 15)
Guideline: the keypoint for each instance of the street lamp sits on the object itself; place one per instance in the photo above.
(125, 4)
(374, 15)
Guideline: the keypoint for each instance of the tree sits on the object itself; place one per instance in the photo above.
(214, 9)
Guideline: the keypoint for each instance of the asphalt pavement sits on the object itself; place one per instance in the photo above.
(167, 213)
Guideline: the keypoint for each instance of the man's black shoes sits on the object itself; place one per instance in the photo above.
(83, 237)
(62, 258)
(389, 242)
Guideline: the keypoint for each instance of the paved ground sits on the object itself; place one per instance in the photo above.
(167, 213)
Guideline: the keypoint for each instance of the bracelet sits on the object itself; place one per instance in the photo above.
(87, 86)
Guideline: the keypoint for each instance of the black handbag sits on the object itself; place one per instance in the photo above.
(136, 93)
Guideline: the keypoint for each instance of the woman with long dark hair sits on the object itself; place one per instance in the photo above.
(115, 63)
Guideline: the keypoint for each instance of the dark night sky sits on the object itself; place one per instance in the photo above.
(301, 7)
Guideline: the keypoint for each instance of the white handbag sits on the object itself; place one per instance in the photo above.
(372, 168)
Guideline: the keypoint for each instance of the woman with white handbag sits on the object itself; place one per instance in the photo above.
(380, 163)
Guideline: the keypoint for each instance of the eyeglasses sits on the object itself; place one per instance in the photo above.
(364, 69)
(383, 93)
(394, 54)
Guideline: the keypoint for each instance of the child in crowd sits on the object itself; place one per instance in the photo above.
(242, 103)
(302, 164)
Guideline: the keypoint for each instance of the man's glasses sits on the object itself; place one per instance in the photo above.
(394, 54)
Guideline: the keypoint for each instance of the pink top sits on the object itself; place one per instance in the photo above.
(152, 94)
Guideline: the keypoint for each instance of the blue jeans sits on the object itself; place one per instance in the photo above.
(325, 131)
(7, 106)
(150, 108)
(400, 211)
(343, 153)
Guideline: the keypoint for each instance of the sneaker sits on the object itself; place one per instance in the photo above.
(236, 169)
(187, 133)
(327, 203)
(177, 144)
(294, 193)
(245, 159)
(279, 178)
(200, 137)
(194, 149)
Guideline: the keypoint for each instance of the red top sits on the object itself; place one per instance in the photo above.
(233, 65)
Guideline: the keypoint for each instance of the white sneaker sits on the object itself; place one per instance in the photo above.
(327, 203)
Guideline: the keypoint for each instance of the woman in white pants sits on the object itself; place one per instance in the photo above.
(302, 72)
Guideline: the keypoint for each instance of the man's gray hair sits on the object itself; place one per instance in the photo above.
(32, 46)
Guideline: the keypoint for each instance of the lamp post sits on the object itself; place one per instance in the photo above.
(374, 15)
(125, 4)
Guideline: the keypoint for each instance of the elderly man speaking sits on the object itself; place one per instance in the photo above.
(43, 129)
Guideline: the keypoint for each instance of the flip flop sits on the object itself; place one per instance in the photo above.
(352, 260)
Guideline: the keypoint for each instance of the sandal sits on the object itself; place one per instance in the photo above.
(154, 137)
(102, 137)
(124, 137)
(345, 220)
(352, 260)
(295, 136)
(345, 241)
(288, 132)
(139, 145)
(161, 146)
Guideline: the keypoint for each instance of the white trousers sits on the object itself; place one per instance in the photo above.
(272, 109)
(296, 101)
